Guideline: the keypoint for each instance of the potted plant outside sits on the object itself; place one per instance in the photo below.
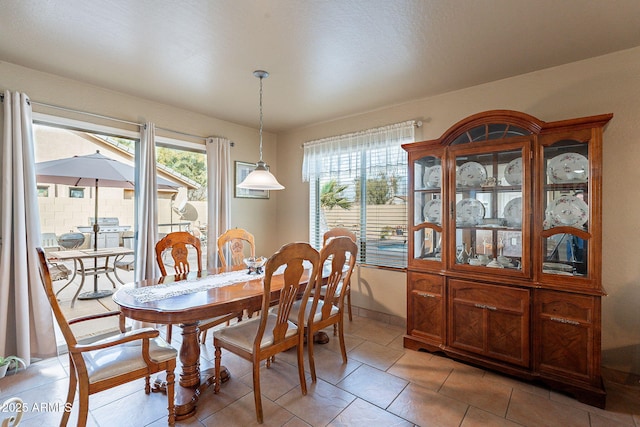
(8, 362)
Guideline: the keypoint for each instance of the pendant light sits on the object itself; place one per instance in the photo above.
(260, 178)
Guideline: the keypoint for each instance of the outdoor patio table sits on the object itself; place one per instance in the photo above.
(186, 300)
(79, 255)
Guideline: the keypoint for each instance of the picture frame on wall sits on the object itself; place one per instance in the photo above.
(242, 169)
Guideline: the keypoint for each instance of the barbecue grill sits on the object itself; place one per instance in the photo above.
(71, 240)
(109, 232)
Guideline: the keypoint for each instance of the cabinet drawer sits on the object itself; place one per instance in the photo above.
(566, 335)
(490, 320)
(426, 307)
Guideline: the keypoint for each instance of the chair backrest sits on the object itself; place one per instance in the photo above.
(338, 232)
(177, 242)
(290, 257)
(236, 237)
(341, 253)
(50, 241)
(47, 283)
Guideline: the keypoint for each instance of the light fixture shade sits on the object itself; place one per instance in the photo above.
(260, 179)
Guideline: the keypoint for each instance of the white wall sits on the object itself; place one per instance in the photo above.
(607, 84)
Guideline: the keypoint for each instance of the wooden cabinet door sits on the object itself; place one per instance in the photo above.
(426, 307)
(490, 320)
(566, 340)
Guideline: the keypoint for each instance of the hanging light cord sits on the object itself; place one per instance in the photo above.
(261, 77)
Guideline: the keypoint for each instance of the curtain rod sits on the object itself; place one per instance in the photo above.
(100, 116)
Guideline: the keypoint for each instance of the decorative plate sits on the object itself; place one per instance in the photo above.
(513, 212)
(471, 174)
(469, 212)
(513, 172)
(432, 177)
(568, 167)
(433, 211)
(568, 211)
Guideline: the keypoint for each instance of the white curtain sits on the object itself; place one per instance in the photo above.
(147, 207)
(26, 323)
(338, 153)
(219, 180)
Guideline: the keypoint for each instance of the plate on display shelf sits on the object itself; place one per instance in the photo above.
(557, 266)
(433, 211)
(469, 212)
(471, 174)
(568, 167)
(513, 172)
(568, 211)
(513, 212)
(432, 176)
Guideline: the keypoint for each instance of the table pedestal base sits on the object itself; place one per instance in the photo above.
(95, 295)
(186, 398)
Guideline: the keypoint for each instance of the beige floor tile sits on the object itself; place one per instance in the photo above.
(425, 407)
(330, 367)
(230, 391)
(465, 386)
(617, 409)
(478, 418)
(138, 409)
(371, 330)
(38, 374)
(361, 413)
(375, 386)
(322, 403)
(532, 410)
(277, 380)
(422, 368)
(295, 422)
(242, 413)
(376, 355)
(518, 384)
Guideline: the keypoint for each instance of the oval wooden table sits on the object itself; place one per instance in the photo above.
(188, 310)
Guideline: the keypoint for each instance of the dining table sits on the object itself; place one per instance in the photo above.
(187, 300)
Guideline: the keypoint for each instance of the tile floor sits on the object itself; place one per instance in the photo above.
(382, 384)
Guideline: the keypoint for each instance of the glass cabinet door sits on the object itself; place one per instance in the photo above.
(428, 209)
(488, 209)
(565, 198)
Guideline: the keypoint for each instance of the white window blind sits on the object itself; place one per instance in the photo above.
(359, 181)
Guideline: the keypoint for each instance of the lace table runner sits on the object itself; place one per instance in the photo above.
(183, 287)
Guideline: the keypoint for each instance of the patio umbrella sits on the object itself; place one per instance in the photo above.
(92, 170)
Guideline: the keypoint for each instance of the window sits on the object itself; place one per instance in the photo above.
(359, 181)
(76, 193)
(43, 191)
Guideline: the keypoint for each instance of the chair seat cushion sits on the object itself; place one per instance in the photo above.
(120, 359)
(295, 309)
(243, 334)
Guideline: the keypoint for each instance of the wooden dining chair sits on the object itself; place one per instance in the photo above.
(261, 338)
(110, 361)
(322, 311)
(179, 243)
(337, 232)
(236, 239)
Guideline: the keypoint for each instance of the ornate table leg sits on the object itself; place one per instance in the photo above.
(192, 382)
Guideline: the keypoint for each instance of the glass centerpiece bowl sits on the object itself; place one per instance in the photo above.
(255, 264)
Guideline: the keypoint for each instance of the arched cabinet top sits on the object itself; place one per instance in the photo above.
(501, 124)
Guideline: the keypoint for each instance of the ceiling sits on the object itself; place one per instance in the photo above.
(326, 58)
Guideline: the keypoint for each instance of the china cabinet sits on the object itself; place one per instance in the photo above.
(504, 263)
